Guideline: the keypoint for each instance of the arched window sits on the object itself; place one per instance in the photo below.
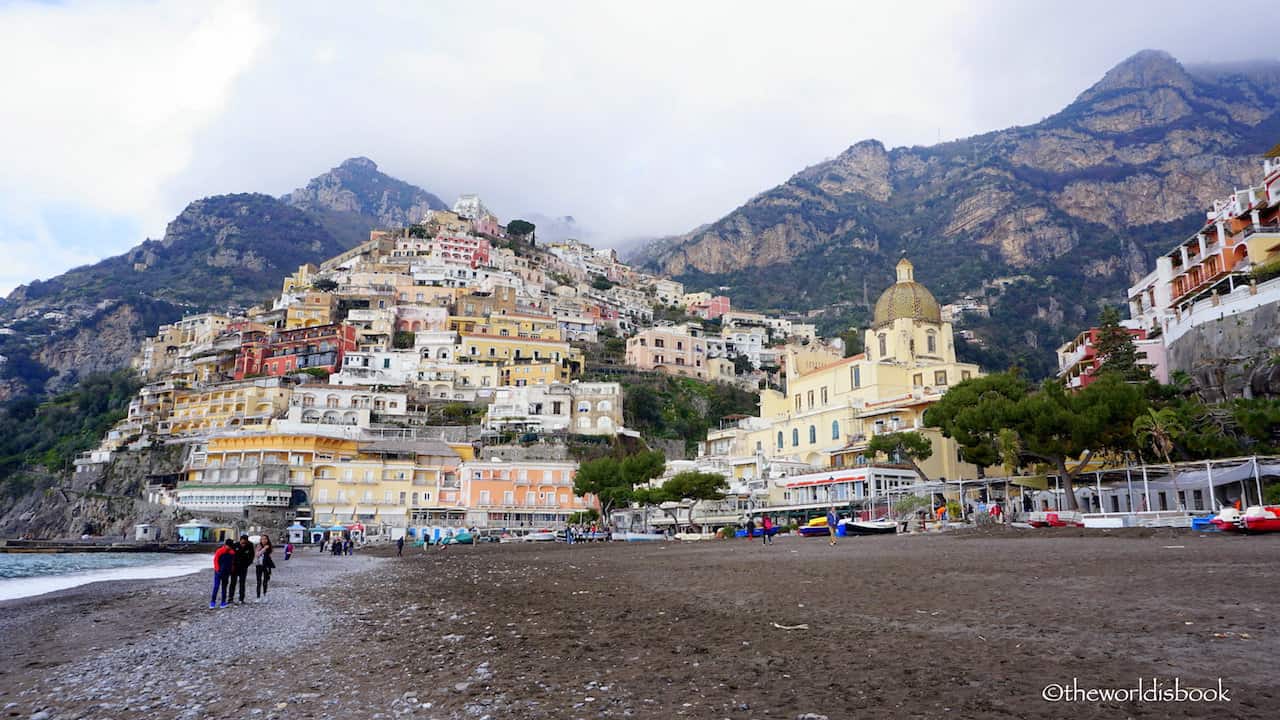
(779, 439)
(813, 434)
(795, 437)
(884, 345)
(835, 429)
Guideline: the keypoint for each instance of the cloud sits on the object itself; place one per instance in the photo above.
(637, 119)
(103, 101)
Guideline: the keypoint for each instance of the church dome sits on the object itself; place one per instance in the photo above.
(906, 299)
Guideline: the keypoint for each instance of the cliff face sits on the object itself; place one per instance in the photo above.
(355, 197)
(1079, 203)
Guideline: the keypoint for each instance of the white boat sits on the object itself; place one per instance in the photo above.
(694, 536)
(540, 535)
(638, 536)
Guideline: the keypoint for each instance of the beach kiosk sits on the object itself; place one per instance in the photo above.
(317, 534)
(196, 531)
(296, 533)
(146, 532)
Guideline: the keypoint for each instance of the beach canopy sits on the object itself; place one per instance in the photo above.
(296, 526)
(337, 528)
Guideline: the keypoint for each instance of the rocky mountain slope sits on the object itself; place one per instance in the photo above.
(1047, 221)
(355, 197)
(223, 251)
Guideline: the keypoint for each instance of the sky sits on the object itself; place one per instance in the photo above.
(639, 119)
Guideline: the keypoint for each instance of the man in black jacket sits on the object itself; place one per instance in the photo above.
(244, 561)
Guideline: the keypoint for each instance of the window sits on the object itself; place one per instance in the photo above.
(824, 394)
(813, 434)
(884, 345)
(509, 497)
(940, 377)
(795, 437)
(484, 497)
(835, 429)
(917, 380)
(780, 443)
(931, 341)
(810, 399)
(386, 497)
(857, 376)
(797, 402)
(322, 495)
(415, 498)
(965, 375)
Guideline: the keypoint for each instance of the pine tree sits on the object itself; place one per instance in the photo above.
(1116, 351)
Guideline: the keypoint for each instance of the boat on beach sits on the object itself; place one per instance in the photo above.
(1261, 519)
(629, 536)
(816, 527)
(869, 527)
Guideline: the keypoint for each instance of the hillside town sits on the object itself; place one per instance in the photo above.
(445, 376)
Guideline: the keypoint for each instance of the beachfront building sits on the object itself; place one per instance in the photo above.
(676, 350)
(521, 494)
(834, 409)
(384, 483)
(501, 350)
(1205, 275)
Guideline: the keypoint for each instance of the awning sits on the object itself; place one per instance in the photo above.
(392, 511)
(344, 510)
(321, 509)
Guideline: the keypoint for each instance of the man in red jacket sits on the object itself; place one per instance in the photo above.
(224, 559)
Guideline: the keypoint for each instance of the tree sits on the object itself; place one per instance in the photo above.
(613, 481)
(695, 486)
(521, 229)
(602, 478)
(1159, 430)
(1049, 425)
(403, 339)
(1114, 347)
(600, 282)
(852, 342)
(325, 285)
(909, 447)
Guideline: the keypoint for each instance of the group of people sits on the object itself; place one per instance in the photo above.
(767, 530)
(582, 533)
(231, 563)
(337, 545)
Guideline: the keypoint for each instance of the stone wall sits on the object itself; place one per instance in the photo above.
(1232, 356)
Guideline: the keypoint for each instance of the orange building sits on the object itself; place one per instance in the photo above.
(521, 494)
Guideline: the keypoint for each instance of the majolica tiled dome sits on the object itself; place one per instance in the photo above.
(906, 299)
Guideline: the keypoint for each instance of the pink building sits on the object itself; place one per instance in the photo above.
(672, 350)
(709, 309)
(1078, 360)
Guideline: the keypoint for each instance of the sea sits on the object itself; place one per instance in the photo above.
(27, 574)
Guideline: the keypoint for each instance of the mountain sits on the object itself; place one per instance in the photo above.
(356, 197)
(218, 252)
(1048, 221)
(229, 250)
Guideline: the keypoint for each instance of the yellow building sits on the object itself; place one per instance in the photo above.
(517, 326)
(501, 350)
(239, 404)
(310, 309)
(385, 482)
(533, 373)
(228, 474)
(301, 279)
(832, 410)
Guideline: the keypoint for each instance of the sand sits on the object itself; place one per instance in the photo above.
(914, 626)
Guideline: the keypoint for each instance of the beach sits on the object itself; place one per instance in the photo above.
(965, 625)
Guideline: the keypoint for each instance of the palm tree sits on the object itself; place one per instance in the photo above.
(1159, 430)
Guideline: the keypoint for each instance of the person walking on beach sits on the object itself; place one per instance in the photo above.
(400, 546)
(288, 550)
(262, 566)
(833, 522)
(224, 559)
(766, 530)
(240, 573)
(350, 545)
(323, 541)
(751, 528)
